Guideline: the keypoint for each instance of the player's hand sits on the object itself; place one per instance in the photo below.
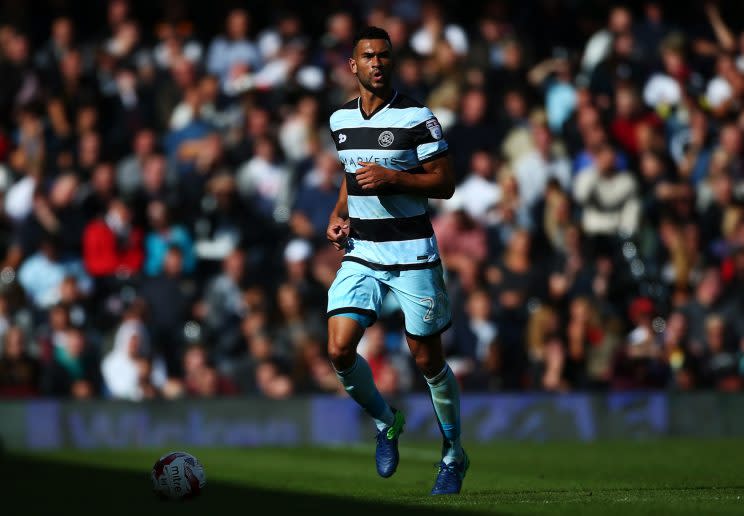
(371, 175)
(337, 232)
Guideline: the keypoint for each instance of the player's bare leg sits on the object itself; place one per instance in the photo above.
(344, 334)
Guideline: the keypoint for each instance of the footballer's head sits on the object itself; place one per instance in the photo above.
(372, 59)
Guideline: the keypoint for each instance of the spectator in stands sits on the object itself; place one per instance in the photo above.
(287, 27)
(111, 245)
(21, 84)
(297, 133)
(201, 379)
(181, 76)
(155, 186)
(175, 41)
(554, 77)
(297, 260)
(130, 170)
(61, 41)
(461, 239)
(705, 302)
(241, 365)
(296, 321)
(217, 227)
(599, 46)
(316, 198)
(411, 80)
(683, 361)
(735, 295)
(479, 319)
(434, 27)
(272, 381)
(542, 326)
(338, 38)
(169, 297)
(73, 370)
(265, 180)
(222, 306)
(472, 131)
(233, 52)
(535, 168)
(130, 369)
(312, 370)
(479, 192)
(43, 273)
(54, 214)
(512, 74)
(640, 363)
(621, 65)
(608, 197)
(629, 118)
(720, 366)
(19, 371)
(88, 153)
(101, 191)
(164, 235)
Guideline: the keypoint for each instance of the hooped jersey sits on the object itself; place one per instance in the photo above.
(388, 231)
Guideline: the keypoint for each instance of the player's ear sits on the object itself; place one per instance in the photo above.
(352, 65)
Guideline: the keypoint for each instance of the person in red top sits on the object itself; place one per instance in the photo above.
(111, 245)
(630, 117)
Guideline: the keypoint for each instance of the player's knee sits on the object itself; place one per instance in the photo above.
(341, 352)
(429, 361)
(425, 363)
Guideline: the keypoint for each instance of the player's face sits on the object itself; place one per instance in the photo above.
(372, 63)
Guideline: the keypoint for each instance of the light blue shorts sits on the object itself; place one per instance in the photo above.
(358, 291)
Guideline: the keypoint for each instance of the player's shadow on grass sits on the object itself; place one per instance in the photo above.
(32, 485)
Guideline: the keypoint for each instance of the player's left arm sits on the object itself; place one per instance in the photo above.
(435, 179)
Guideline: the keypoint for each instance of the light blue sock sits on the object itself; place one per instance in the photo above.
(445, 396)
(358, 382)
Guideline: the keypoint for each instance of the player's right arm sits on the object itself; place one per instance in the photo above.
(338, 223)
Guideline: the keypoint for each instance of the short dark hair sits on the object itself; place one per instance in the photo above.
(371, 33)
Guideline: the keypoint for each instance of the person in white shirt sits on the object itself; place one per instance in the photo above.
(478, 194)
(121, 368)
(267, 180)
(534, 168)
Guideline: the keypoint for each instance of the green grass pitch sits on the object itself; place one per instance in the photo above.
(654, 477)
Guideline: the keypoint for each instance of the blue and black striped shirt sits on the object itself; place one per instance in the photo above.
(389, 231)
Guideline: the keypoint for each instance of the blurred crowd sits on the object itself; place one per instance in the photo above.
(165, 190)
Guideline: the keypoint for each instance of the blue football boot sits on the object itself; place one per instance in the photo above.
(386, 454)
(449, 478)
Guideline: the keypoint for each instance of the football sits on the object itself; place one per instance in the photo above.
(178, 476)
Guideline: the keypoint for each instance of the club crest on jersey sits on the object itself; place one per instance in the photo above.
(434, 128)
(386, 139)
(341, 137)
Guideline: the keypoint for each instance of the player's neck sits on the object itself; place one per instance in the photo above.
(371, 101)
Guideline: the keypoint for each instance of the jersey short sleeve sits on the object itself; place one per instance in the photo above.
(429, 138)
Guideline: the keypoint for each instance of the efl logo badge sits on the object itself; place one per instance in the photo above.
(341, 137)
(386, 139)
(434, 128)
